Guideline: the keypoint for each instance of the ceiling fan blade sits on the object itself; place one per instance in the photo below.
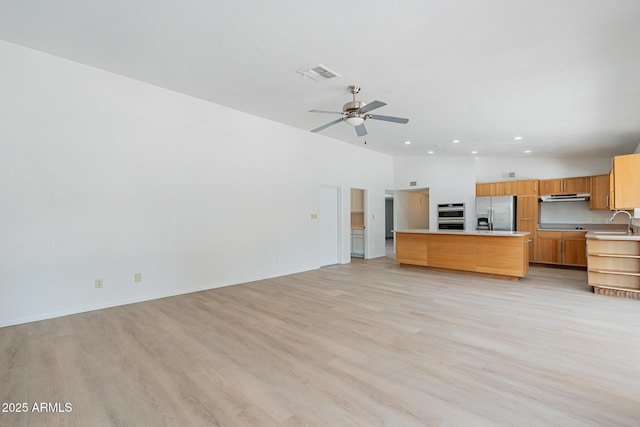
(326, 125)
(325, 111)
(372, 106)
(388, 118)
(361, 130)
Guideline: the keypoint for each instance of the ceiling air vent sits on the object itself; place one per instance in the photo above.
(318, 73)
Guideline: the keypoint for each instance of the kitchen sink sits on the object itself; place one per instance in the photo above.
(611, 232)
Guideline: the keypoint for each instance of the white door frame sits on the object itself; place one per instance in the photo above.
(329, 222)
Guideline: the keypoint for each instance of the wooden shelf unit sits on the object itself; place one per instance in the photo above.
(614, 265)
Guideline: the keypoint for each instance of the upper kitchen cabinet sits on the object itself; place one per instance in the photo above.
(485, 189)
(564, 185)
(599, 192)
(625, 182)
(506, 188)
(500, 188)
(527, 187)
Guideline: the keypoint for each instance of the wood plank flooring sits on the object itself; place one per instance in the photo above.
(365, 344)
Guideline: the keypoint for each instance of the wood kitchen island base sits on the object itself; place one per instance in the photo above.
(498, 253)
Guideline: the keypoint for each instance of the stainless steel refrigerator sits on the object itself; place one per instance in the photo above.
(496, 213)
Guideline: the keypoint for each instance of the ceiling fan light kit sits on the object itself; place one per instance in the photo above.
(354, 113)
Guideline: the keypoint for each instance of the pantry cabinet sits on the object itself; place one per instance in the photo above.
(624, 180)
(600, 192)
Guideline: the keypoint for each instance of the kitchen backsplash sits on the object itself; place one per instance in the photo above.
(575, 212)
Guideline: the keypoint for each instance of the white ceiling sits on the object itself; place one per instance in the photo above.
(564, 74)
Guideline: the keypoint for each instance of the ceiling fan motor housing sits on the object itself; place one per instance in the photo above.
(352, 106)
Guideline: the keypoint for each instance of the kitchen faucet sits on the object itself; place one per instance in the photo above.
(610, 220)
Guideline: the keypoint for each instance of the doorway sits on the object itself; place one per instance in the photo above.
(329, 225)
(389, 241)
(358, 215)
(411, 208)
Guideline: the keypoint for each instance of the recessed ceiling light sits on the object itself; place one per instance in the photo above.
(430, 152)
(455, 141)
(527, 151)
(518, 138)
(474, 152)
(407, 143)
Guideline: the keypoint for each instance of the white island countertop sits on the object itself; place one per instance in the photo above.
(464, 232)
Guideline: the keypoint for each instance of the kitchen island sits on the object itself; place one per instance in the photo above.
(501, 253)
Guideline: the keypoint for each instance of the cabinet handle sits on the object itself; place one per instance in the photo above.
(535, 187)
(607, 201)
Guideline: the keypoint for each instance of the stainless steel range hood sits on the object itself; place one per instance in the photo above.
(565, 198)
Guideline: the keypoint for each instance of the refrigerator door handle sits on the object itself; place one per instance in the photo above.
(490, 217)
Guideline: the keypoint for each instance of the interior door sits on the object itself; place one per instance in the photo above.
(329, 225)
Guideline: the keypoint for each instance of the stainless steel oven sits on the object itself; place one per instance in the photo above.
(451, 216)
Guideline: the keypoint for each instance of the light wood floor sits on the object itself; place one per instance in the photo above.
(365, 344)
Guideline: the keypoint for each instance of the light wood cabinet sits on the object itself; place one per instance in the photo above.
(625, 182)
(614, 267)
(493, 254)
(449, 251)
(528, 221)
(564, 185)
(577, 185)
(411, 248)
(548, 247)
(527, 187)
(599, 192)
(485, 189)
(506, 256)
(499, 188)
(574, 248)
(506, 188)
(562, 247)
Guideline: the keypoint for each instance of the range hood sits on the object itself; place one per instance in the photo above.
(565, 198)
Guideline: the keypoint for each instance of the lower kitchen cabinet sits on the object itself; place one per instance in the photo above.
(411, 248)
(357, 243)
(562, 247)
(614, 267)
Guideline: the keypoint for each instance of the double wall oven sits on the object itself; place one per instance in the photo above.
(451, 216)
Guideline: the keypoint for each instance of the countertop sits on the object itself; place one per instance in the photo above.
(581, 227)
(464, 232)
(620, 235)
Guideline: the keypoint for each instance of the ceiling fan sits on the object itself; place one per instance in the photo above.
(355, 113)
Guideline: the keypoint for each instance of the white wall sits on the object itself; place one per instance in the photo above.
(575, 213)
(102, 176)
(449, 179)
(489, 169)
(412, 208)
(452, 179)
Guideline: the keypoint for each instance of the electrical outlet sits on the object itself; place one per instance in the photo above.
(137, 277)
(98, 283)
